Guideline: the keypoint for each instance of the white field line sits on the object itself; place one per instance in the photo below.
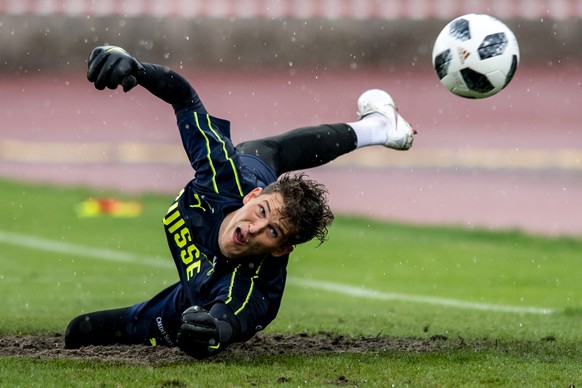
(432, 300)
(42, 244)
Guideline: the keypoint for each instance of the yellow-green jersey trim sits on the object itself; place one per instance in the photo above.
(231, 285)
(227, 156)
(251, 288)
(208, 152)
(214, 347)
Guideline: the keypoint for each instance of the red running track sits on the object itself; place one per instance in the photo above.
(504, 183)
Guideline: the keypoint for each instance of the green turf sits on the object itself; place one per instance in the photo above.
(46, 279)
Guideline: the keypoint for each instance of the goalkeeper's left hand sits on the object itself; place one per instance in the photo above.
(111, 66)
(199, 335)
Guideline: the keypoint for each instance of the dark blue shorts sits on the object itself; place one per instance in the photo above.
(256, 170)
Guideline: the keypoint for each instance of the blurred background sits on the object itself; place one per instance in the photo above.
(511, 161)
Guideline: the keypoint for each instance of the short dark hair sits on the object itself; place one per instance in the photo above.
(305, 207)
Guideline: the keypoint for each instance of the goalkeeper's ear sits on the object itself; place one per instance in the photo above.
(282, 250)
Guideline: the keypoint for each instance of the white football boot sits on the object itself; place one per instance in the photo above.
(400, 133)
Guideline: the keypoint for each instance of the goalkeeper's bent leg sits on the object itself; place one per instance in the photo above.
(303, 148)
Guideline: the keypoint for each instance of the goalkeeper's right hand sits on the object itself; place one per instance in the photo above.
(110, 66)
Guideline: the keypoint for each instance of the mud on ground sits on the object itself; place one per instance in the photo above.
(263, 344)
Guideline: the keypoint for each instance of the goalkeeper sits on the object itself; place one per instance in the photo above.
(231, 229)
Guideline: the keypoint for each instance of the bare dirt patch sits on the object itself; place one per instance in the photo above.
(52, 347)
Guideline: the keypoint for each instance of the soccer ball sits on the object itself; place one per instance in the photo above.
(475, 56)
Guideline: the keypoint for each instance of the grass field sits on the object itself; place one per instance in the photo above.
(507, 306)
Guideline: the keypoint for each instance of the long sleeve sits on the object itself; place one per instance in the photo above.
(170, 87)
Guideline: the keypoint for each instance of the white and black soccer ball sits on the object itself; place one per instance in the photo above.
(475, 56)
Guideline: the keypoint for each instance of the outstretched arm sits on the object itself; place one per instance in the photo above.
(247, 300)
(111, 66)
(171, 87)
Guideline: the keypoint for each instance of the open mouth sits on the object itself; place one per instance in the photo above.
(239, 237)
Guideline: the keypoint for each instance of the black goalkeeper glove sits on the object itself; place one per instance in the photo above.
(110, 66)
(199, 335)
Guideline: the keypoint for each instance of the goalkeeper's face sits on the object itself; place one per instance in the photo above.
(255, 229)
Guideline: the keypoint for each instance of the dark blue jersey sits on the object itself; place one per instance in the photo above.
(250, 288)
